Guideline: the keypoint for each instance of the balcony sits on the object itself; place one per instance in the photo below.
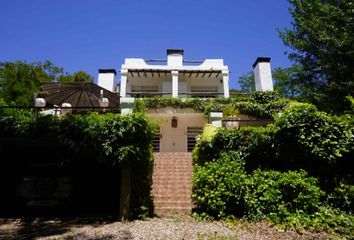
(196, 92)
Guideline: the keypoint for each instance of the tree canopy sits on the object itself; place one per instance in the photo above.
(322, 42)
(247, 82)
(20, 80)
(286, 81)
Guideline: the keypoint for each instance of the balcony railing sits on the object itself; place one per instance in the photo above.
(149, 94)
(202, 94)
(180, 94)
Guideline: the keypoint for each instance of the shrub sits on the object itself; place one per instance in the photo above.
(274, 195)
(219, 187)
(264, 96)
(254, 144)
(112, 140)
(342, 197)
(314, 140)
(223, 141)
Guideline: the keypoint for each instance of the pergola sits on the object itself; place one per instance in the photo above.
(78, 95)
(161, 72)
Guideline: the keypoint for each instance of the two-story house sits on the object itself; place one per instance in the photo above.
(178, 78)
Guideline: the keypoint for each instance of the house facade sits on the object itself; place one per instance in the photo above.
(178, 78)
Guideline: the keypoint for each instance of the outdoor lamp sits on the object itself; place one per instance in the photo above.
(66, 108)
(39, 102)
(104, 102)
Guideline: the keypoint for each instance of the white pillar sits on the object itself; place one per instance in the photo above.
(225, 82)
(174, 83)
(123, 82)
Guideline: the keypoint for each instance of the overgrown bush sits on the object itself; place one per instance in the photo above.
(219, 187)
(342, 196)
(275, 195)
(314, 140)
(298, 171)
(254, 144)
(301, 138)
(120, 141)
(264, 96)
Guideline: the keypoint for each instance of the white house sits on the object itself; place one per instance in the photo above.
(178, 78)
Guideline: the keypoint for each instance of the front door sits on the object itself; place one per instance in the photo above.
(177, 130)
(173, 135)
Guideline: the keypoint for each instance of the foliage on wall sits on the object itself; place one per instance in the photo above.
(262, 105)
(122, 141)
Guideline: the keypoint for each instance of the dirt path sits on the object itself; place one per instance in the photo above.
(153, 228)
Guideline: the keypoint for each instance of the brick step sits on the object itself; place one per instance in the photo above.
(171, 168)
(158, 177)
(168, 173)
(171, 194)
(176, 192)
(172, 161)
(173, 173)
(168, 192)
(171, 184)
(185, 204)
(172, 188)
(163, 211)
(170, 176)
(158, 193)
(172, 181)
(184, 160)
(172, 198)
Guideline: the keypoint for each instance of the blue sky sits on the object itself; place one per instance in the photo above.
(88, 35)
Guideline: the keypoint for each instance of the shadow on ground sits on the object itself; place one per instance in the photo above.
(33, 228)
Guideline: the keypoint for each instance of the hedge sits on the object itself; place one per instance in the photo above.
(111, 140)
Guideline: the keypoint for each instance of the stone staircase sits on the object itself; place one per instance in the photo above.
(172, 183)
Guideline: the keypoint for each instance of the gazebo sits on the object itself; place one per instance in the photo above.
(79, 97)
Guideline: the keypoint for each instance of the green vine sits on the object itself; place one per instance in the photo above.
(262, 105)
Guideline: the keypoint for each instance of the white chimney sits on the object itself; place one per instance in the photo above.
(263, 74)
(106, 79)
(174, 57)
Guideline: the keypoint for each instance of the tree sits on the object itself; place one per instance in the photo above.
(79, 76)
(322, 40)
(286, 81)
(82, 76)
(19, 80)
(247, 82)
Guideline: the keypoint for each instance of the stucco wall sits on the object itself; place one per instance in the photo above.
(175, 139)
